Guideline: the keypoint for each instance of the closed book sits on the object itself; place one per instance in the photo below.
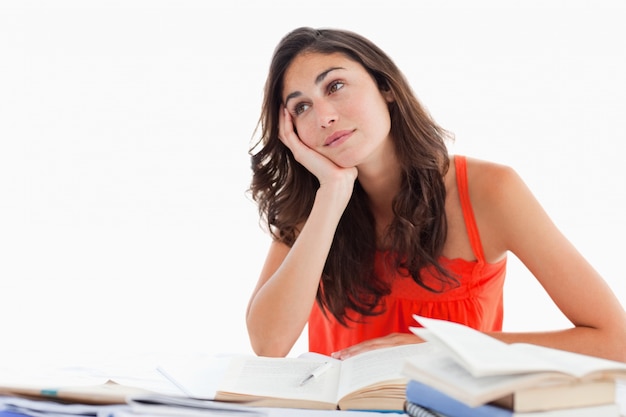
(438, 402)
(556, 395)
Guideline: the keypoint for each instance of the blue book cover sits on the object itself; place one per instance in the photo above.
(435, 400)
(8, 413)
(429, 397)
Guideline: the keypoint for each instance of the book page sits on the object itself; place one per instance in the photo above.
(480, 354)
(483, 355)
(575, 364)
(281, 378)
(378, 365)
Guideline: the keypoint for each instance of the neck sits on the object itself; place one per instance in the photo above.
(381, 183)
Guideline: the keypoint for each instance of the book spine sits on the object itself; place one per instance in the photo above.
(415, 410)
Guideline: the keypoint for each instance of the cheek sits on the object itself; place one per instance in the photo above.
(373, 119)
(375, 114)
(305, 133)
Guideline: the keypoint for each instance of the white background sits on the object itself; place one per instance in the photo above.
(125, 125)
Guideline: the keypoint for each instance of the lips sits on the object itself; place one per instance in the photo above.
(338, 137)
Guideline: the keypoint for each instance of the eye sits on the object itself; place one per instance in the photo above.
(335, 86)
(300, 108)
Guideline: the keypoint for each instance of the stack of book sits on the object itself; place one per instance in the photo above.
(597, 400)
(475, 375)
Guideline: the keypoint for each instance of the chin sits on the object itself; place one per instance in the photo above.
(346, 164)
(346, 161)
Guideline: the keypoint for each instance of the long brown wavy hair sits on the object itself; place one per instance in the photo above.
(284, 190)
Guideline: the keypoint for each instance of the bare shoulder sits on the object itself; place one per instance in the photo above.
(502, 203)
(481, 169)
(489, 181)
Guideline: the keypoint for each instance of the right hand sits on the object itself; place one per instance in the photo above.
(326, 171)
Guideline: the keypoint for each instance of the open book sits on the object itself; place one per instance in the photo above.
(476, 369)
(109, 392)
(371, 380)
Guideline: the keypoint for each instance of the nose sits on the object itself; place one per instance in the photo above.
(326, 113)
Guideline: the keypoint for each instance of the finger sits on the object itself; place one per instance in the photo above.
(354, 350)
(281, 122)
(290, 138)
(392, 339)
(286, 131)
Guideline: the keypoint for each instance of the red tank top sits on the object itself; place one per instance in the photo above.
(475, 302)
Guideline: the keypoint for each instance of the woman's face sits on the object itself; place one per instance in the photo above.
(337, 108)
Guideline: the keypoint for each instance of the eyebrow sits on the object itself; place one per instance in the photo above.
(318, 80)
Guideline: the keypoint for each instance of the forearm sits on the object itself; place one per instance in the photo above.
(280, 309)
(603, 343)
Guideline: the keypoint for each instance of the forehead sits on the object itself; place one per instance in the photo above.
(303, 71)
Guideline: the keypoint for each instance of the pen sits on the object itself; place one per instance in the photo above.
(317, 372)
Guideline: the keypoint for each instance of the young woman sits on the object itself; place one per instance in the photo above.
(373, 221)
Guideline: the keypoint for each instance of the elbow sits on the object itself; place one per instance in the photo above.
(270, 351)
(616, 348)
(265, 343)
(618, 338)
(266, 347)
(612, 344)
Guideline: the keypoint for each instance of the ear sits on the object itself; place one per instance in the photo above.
(385, 90)
(388, 95)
